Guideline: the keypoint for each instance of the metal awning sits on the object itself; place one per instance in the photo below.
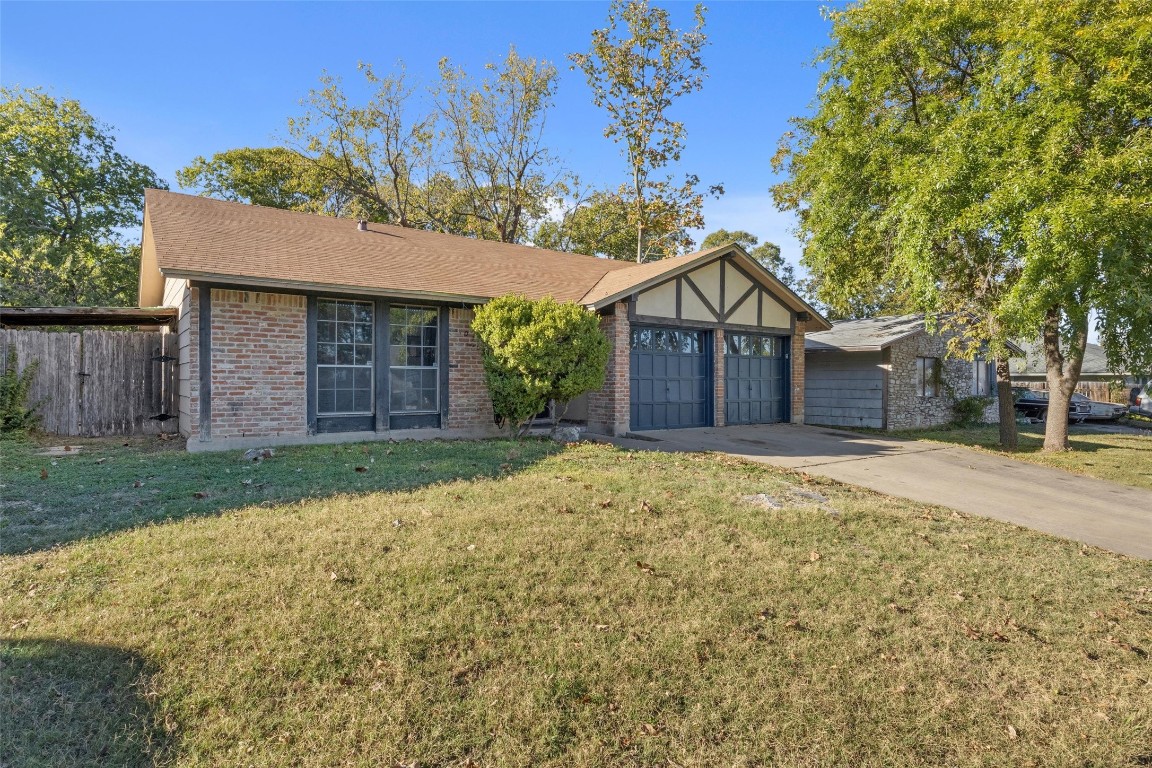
(17, 317)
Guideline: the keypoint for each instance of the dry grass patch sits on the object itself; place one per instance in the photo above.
(590, 608)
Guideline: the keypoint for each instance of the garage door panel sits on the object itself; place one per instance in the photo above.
(669, 372)
(755, 370)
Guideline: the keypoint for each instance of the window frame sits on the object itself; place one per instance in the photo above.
(370, 366)
(435, 347)
(381, 419)
(982, 380)
(928, 378)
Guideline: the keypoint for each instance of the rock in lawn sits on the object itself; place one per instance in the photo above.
(566, 434)
(258, 454)
(763, 500)
(813, 495)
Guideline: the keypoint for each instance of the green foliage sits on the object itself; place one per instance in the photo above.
(17, 415)
(989, 160)
(69, 205)
(468, 158)
(969, 411)
(276, 177)
(536, 351)
(637, 67)
(768, 254)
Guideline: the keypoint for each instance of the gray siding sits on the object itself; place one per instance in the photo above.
(844, 389)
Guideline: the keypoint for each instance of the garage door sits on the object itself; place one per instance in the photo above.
(669, 378)
(755, 379)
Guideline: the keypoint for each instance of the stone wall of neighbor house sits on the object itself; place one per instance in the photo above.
(797, 361)
(469, 404)
(906, 409)
(608, 408)
(259, 377)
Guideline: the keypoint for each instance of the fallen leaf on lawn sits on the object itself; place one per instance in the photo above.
(795, 624)
(471, 547)
(361, 469)
(43, 474)
(397, 523)
(1011, 733)
(813, 555)
(972, 632)
(999, 638)
(646, 507)
(246, 482)
(958, 596)
(649, 729)
(898, 608)
(645, 567)
(102, 460)
(137, 483)
(333, 576)
(602, 627)
(199, 495)
(606, 503)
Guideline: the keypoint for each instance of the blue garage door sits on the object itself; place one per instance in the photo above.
(669, 378)
(755, 379)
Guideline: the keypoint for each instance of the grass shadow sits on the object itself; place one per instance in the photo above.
(68, 704)
(113, 484)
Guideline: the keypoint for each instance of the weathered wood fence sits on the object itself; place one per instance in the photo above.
(94, 383)
(1093, 390)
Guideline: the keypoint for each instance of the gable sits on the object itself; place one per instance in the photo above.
(718, 292)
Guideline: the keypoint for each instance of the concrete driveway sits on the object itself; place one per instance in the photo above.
(1097, 512)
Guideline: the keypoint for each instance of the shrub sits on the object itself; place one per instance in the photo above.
(16, 416)
(536, 351)
(969, 411)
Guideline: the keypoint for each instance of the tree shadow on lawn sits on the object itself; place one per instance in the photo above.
(75, 704)
(112, 485)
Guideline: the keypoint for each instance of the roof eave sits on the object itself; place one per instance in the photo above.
(309, 287)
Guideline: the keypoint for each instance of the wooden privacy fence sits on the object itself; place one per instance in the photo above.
(95, 383)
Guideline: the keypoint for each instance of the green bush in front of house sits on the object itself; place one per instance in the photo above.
(536, 351)
(969, 411)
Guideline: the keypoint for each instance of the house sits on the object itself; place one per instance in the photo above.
(1096, 376)
(888, 373)
(295, 328)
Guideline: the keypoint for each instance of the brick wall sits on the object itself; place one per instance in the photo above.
(797, 355)
(258, 364)
(469, 404)
(718, 415)
(608, 409)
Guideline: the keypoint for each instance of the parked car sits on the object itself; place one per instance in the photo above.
(1100, 411)
(1033, 403)
(1142, 402)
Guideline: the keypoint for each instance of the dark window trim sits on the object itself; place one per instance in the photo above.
(204, 360)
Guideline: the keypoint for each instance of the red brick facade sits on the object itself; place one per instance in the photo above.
(469, 405)
(718, 363)
(608, 409)
(797, 361)
(259, 381)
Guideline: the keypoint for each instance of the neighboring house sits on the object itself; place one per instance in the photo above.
(1029, 370)
(296, 328)
(888, 373)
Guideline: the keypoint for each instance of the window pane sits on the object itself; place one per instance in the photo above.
(325, 331)
(363, 354)
(326, 401)
(344, 401)
(326, 310)
(364, 313)
(325, 354)
(325, 378)
(343, 311)
(362, 378)
(363, 333)
(345, 354)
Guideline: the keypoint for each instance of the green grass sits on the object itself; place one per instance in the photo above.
(108, 485)
(583, 607)
(1121, 458)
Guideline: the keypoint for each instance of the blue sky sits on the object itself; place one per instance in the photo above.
(177, 80)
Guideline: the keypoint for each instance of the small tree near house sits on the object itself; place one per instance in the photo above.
(536, 351)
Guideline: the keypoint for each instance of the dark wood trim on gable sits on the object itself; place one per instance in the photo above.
(700, 295)
(723, 313)
(679, 298)
(204, 359)
(759, 307)
(740, 302)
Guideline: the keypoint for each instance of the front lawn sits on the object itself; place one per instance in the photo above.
(1121, 458)
(576, 607)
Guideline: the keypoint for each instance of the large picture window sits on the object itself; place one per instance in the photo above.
(414, 359)
(343, 357)
(982, 378)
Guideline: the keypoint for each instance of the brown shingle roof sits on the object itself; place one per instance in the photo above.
(200, 237)
(622, 280)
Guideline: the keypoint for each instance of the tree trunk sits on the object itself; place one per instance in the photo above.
(1062, 373)
(1008, 436)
